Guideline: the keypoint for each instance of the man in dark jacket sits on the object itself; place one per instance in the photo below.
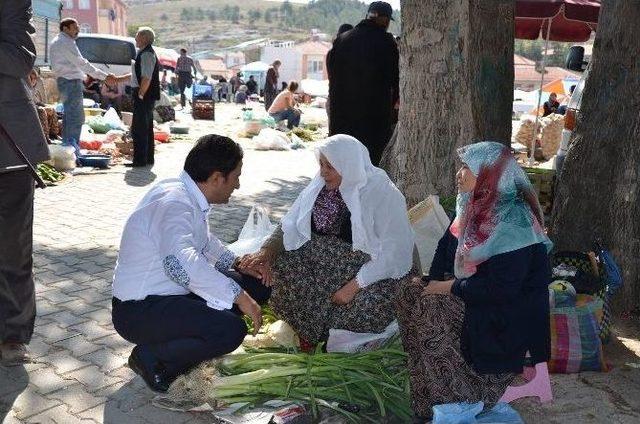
(363, 81)
(19, 118)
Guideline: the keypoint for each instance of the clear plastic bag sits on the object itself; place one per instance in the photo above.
(350, 342)
(255, 232)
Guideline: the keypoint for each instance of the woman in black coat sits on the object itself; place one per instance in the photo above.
(485, 305)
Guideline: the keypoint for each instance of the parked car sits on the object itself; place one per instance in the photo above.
(575, 62)
(111, 53)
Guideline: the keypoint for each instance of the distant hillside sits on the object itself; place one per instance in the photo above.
(213, 24)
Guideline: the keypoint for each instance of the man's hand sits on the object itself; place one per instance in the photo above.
(250, 308)
(438, 287)
(346, 294)
(257, 265)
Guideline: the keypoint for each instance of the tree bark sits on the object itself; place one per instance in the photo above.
(456, 84)
(598, 194)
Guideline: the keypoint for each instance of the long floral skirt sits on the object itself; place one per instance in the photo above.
(306, 278)
(431, 326)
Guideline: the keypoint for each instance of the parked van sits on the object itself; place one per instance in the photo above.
(575, 62)
(111, 53)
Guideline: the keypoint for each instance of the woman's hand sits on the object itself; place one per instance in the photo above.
(438, 287)
(257, 263)
(346, 294)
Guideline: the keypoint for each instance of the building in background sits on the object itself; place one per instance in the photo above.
(527, 76)
(98, 16)
(306, 60)
(46, 20)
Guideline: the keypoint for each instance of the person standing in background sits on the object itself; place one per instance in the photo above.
(70, 68)
(271, 85)
(145, 82)
(18, 123)
(184, 65)
(364, 81)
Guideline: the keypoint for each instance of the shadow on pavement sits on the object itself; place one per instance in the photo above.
(13, 381)
(139, 177)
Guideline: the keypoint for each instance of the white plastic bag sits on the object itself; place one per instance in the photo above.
(350, 342)
(270, 139)
(63, 157)
(255, 232)
(112, 119)
(429, 222)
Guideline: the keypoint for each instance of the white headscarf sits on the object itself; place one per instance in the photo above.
(379, 221)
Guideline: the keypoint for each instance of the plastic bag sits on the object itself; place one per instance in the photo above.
(270, 139)
(350, 342)
(112, 119)
(255, 232)
(63, 157)
(296, 142)
(98, 125)
(429, 222)
(471, 413)
(575, 337)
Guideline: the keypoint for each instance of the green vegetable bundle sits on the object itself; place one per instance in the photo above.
(362, 387)
(48, 173)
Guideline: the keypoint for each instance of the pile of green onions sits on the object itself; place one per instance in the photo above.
(362, 386)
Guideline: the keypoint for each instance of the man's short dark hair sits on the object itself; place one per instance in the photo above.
(210, 154)
(293, 86)
(66, 23)
(183, 50)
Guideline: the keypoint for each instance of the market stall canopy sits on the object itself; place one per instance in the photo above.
(256, 66)
(570, 20)
(167, 57)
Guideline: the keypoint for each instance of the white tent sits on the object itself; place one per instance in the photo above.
(259, 72)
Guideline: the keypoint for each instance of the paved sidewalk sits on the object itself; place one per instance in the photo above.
(81, 373)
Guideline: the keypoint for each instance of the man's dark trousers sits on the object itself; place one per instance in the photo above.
(182, 331)
(142, 131)
(184, 81)
(17, 294)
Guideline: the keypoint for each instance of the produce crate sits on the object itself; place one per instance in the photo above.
(543, 181)
(203, 109)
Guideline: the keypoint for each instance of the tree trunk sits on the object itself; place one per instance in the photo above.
(598, 194)
(456, 85)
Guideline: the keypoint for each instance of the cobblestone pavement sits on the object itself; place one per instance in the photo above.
(80, 373)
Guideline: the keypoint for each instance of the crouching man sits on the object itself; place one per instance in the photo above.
(178, 293)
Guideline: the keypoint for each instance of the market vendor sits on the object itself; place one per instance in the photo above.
(485, 304)
(340, 251)
(284, 106)
(178, 293)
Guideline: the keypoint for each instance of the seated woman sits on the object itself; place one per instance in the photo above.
(241, 95)
(466, 337)
(283, 106)
(339, 251)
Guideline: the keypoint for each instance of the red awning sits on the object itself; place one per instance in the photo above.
(571, 20)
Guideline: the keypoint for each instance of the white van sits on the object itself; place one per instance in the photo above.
(111, 53)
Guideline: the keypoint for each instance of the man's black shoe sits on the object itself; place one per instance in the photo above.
(134, 165)
(156, 381)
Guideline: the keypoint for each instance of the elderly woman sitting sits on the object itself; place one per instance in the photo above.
(467, 336)
(340, 250)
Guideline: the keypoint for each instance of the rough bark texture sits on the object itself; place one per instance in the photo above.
(598, 194)
(456, 85)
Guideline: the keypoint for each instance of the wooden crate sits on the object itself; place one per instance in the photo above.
(543, 181)
(203, 109)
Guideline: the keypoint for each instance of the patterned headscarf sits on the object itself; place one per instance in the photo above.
(501, 214)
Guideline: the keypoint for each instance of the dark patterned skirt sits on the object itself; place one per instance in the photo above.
(306, 278)
(430, 326)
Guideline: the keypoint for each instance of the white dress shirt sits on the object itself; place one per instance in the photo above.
(67, 61)
(167, 249)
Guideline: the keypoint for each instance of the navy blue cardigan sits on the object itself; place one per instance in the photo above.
(506, 306)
